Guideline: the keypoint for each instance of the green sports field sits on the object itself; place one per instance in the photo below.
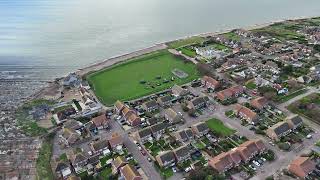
(140, 76)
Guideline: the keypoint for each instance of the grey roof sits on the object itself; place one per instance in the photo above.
(151, 103)
(94, 159)
(167, 157)
(144, 132)
(183, 134)
(189, 133)
(166, 98)
(284, 127)
(159, 127)
(61, 166)
(100, 145)
(202, 127)
(182, 151)
(199, 100)
(296, 120)
(153, 121)
(79, 157)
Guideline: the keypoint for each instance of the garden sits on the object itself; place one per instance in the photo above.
(219, 128)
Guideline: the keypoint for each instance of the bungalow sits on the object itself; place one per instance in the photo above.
(100, 147)
(235, 156)
(166, 159)
(229, 93)
(133, 120)
(224, 95)
(158, 130)
(117, 163)
(116, 142)
(129, 173)
(200, 129)
(172, 116)
(198, 103)
(279, 130)
(209, 82)
(294, 121)
(145, 135)
(178, 91)
(152, 121)
(184, 135)
(259, 103)
(100, 122)
(79, 161)
(221, 163)
(302, 167)
(246, 114)
(70, 136)
(165, 101)
(249, 149)
(182, 153)
(119, 107)
(150, 106)
(63, 170)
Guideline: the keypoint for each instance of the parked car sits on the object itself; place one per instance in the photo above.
(256, 163)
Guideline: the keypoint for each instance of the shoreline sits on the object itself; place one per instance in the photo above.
(157, 46)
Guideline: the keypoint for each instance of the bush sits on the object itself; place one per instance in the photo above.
(259, 131)
(284, 146)
(184, 107)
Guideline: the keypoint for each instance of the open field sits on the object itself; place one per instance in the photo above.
(139, 77)
(218, 127)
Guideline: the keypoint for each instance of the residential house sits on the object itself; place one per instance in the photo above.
(166, 159)
(116, 142)
(73, 124)
(150, 106)
(259, 103)
(235, 156)
(246, 114)
(165, 101)
(101, 122)
(134, 120)
(152, 121)
(91, 127)
(294, 121)
(209, 82)
(119, 107)
(100, 147)
(74, 178)
(178, 91)
(221, 163)
(229, 93)
(224, 95)
(200, 129)
(79, 161)
(302, 167)
(63, 170)
(72, 80)
(145, 135)
(158, 130)
(250, 148)
(172, 116)
(70, 137)
(279, 130)
(183, 153)
(129, 173)
(198, 103)
(117, 163)
(184, 135)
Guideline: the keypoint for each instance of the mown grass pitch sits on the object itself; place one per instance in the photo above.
(123, 81)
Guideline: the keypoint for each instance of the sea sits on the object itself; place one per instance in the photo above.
(44, 39)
